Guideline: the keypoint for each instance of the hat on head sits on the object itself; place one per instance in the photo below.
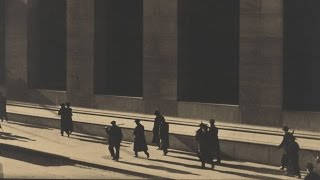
(137, 120)
(201, 124)
(309, 166)
(68, 103)
(285, 128)
(62, 104)
(157, 112)
(212, 121)
(113, 122)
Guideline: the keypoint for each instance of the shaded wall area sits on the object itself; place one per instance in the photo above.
(118, 47)
(2, 42)
(208, 51)
(47, 44)
(301, 55)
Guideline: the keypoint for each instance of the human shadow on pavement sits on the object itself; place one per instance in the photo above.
(176, 163)
(185, 158)
(246, 175)
(10, 136)
(183, 152)
(251, 168)
(96, 140)
(29, 125)
(48, 159)
(150, 166)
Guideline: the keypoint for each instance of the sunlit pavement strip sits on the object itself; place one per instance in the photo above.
(84, 156)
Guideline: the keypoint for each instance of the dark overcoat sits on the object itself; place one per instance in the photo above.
(115, 135)
(214, 140)
(164, 135)
(204, 152)
(3, 106)
(63, 123)
(69, 122)
(140, 143)
(156, 127)
(293, 158)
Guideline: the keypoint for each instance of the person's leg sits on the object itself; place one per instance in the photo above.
(111, 150)
(117, 147)
(61, 132)
(146, 152)
(136, 154)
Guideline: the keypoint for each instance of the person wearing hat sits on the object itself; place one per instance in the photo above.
(203, 139)
(311, 175)
(156, 127)
(293, 148)
(63, 122)
(114, 139)
(140, 143)
(284, 145)
(214, 141)
(69, 123)
(3, 108)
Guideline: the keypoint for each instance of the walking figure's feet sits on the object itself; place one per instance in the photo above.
(212, 166)
(61, 134)
(148, 155)
(281, 168)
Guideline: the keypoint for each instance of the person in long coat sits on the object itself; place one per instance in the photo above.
(214, 141)
(164, 136)
(293, 156)
(115, 138)
(3, 107)
(284, 145)
(63, 123)
(140, 143)
(69, 122)
(156, 127)
(203, 138)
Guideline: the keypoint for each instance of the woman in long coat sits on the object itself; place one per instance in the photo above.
(293, 157)
(69, 122)
(203, 139)
(64, 124)
(140, 143)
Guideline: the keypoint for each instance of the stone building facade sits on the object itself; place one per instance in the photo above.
(238, 61)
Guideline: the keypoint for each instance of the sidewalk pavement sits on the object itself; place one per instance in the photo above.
(31, 151)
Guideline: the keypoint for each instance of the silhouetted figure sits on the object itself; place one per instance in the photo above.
(293, 157)
(69, 122)
(311, 175)
(284, 145)
(214, 141)
(115, 138)
(3, 107)
(140, 143)
(64, 124)
(203, 138)
(156, 127)
(164, 136)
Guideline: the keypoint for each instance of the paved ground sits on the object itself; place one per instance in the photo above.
(29, 151)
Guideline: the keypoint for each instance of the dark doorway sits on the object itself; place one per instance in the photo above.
(118, 47)
(47, 44)
(301, 55)
(2, 43)
(208, 51)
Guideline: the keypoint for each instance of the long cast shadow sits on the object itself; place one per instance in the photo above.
(176, 163)
(251, 168)
(10, 136)
(249, 176)
(29, 125)
(158, 168)
(47, 159)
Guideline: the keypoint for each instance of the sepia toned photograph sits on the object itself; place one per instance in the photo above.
(160, 89)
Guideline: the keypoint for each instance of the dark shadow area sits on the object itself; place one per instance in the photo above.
(47, 159)
(29, 125)
(2, 43)
(251, 168)
(10, 136)
(183, 152)
(177, 163)
(171, 170)
(249, 176)
(185, 158)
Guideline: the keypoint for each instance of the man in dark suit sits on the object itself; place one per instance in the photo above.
(115, 138)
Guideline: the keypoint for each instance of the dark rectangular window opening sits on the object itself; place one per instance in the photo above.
(2, 43)
(47, 44)
(301, 55)
(208, 51)
(118, 47)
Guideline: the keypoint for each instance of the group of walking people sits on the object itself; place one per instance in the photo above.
(66, 125)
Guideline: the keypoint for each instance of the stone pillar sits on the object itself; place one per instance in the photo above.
(261, 61)
(80, 52)
(160, 56)
(16, 24)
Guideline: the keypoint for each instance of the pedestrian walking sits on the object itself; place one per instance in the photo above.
(63, 120)
(164, 136)
(3, 108)
(310, 174)
(69, 122)
(293, 148)
(204, 154)
(214, 141)
(115, 138)
(284, 145)
(156, 127)
(140, 143)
